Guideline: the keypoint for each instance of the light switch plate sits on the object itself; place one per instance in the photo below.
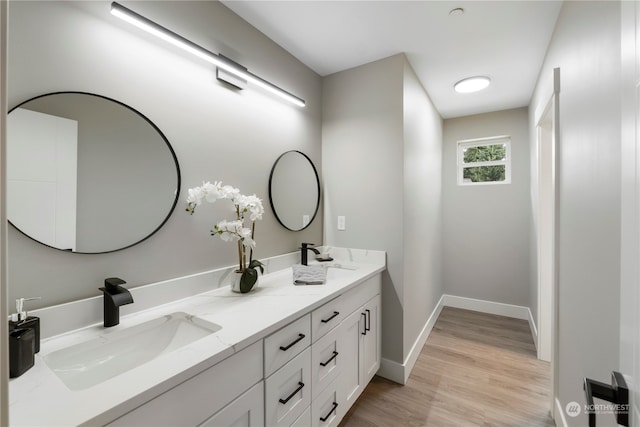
(342, 223)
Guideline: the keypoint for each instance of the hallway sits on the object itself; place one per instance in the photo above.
(475, 369)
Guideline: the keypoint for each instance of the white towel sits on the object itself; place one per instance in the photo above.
(309, 274)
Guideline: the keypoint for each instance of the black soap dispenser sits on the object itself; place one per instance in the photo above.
(22, 349)
(24, 339)
(21, 320)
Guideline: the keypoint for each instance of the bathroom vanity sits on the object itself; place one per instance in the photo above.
(282, 355)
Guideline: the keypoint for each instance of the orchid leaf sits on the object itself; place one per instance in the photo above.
(248, 279)
(255, 263)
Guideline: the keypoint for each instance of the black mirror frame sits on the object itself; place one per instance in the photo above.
(164, 138)
(315, 171)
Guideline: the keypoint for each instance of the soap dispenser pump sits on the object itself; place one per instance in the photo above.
(21, 320)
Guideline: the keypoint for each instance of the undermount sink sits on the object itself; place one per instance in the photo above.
(89, 363)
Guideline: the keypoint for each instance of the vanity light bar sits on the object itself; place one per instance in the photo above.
(177, 40)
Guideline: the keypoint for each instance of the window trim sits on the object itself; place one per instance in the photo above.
(481, 142)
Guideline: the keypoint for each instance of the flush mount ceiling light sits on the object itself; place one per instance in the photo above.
(472, 84)
(218, 60)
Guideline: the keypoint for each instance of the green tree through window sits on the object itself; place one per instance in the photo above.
(485, 153)
(485, 160)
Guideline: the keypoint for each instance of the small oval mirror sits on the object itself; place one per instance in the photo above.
(87, 174)
(294, 190)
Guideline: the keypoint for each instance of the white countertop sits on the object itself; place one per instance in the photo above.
(40, 398)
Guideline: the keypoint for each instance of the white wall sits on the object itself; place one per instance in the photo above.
(486, 227)
(586, 47)
(217, 133)
(381, 154)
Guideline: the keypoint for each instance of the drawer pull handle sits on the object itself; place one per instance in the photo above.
(296, 341)
(335, 353)
(365, 324)
(330, 318)
(324, 419)
(300, 386)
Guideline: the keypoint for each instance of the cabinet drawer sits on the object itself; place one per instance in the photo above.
(326, 360)
(288, 391)
(327, 317)
(246, 411)
(328, 408)
(286, 343)
(193, 401)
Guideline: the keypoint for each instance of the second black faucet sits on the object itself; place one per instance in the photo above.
(114, 296)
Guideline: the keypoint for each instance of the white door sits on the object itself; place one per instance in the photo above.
(630, 196)
(42, 176)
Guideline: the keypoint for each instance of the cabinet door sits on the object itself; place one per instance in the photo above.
(351, 377)
(246, 411)
(371, 340)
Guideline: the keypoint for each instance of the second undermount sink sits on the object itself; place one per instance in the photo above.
(89, 363)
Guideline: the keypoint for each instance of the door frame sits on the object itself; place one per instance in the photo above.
(4, 353)
(630, 206)
(547, 238)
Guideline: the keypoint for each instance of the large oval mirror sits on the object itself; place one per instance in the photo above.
(294, 190)
(87, 174)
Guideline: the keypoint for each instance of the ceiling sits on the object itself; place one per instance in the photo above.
(504, 40)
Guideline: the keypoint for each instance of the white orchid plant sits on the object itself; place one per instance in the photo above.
(230, 231)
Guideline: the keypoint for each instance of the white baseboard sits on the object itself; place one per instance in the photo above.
(399, 372)
(489, 307)
(391, 370)
(559, 418)
(534, 330)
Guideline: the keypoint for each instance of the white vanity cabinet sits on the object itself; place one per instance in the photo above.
(307, 373)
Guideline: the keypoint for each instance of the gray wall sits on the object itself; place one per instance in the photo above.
(422, 205)
(382, 140)
(217, 133)
(586, 47)
(486, 227)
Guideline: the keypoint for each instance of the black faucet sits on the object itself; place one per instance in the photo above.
(114, 296)
(304, 248)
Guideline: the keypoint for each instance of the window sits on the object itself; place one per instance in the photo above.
(484, 161)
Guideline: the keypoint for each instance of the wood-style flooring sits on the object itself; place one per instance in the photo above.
(475, 369)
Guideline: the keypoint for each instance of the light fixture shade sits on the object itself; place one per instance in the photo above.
(218, 60)
(472, 84)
